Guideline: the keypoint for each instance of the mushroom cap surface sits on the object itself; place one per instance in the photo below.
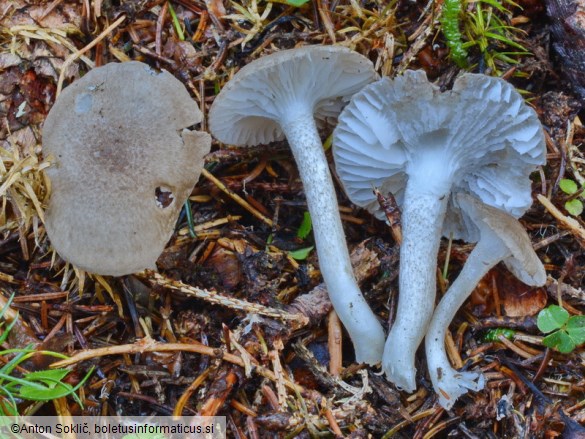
(481, 132)
(124, 163)
(248, 108)
(523, 261)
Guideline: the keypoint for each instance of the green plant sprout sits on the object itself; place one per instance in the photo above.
(481, 25)
(304, 230)
(305, 227)
(301, 254)
(493, 335)
(176, 23)
(566, 332)
(450, 24)
(42, 385)
(573, 205)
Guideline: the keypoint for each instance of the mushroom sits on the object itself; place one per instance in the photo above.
(501, 238)
(125, 162)
(406, 137)
(281, 95)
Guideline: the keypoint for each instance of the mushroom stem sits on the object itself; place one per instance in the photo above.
(448, 382)
(362, 325)
(422, 220)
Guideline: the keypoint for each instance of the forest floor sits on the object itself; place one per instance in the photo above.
(235, 323)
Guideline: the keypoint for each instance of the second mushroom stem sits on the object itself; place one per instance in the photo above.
(361, 323)
(449, 383)
(422, 220)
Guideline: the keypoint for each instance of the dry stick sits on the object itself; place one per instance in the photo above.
(217, 400)
(568, 223)
(41, 297)
(235, 197)
(182, 402)
(160, 22)
(153, 278)
(514, 348)
(401, 425)
(80, 52)
(324, 13)
(49, 9)
(452, 351)
(8, 278)
(243, 408)
(333, 423)
(441, 426)
(334, 344)
(149, 345)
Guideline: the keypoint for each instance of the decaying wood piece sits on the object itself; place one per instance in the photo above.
(568, 32)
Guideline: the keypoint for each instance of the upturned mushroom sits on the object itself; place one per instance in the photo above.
(124, 163)
(406, 137)
(281, 95)
(500, 237)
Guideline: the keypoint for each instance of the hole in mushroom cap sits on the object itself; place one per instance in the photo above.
(163, 197)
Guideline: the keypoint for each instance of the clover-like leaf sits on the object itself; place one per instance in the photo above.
(551, 318)
(576, 329)
(560, 341)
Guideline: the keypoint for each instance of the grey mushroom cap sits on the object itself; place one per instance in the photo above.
(523, 261)
(124, 163)
(481, 131)
(248, 109)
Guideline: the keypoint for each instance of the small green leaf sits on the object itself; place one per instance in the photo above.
(551, 318)
(495, 4)
(493, 334)
(568, 186)
(47, 377)
(574, 207)
(6, 332)
(552, 340)
(567, 343)
(301, 254)
(576, 329)
(305, 227)
(560, 341)
(48, 394)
